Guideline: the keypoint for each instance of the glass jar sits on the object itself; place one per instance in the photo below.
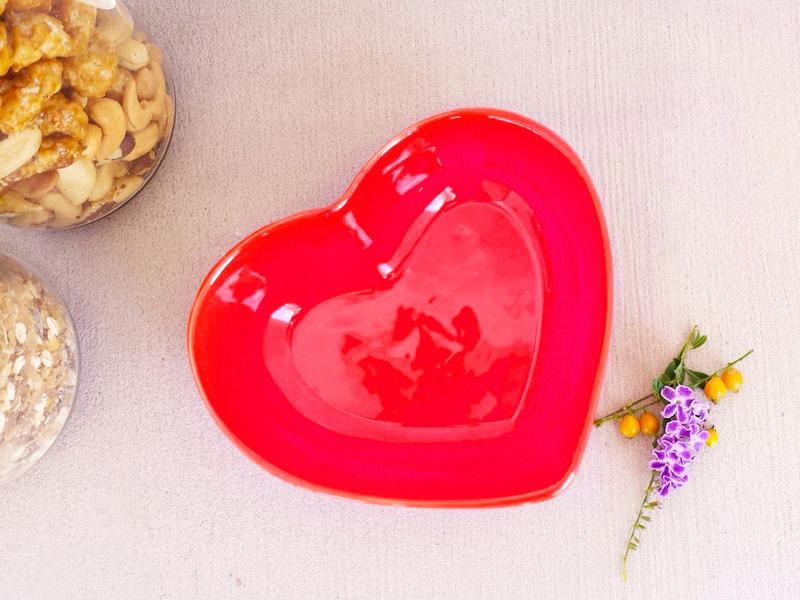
(38, 367)
(86, 111)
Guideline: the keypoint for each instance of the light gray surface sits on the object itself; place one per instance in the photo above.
(686, 116)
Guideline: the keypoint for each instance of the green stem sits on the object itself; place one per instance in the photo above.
(635, 406)
(687, 343)
(633, 541)
(655, 401)
(626, 409)
(730, 364)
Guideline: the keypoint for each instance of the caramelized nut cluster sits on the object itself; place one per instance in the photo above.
(84, 106)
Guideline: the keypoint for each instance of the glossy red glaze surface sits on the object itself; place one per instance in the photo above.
(436, 337)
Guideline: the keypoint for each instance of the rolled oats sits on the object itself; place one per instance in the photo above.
(38, 362)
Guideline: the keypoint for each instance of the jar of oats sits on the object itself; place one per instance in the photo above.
(38, 368)
(86, 111)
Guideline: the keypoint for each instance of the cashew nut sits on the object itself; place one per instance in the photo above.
(139, 115)
(161, 105)
(125, 187)
(132, 54)
(17, 149)
(36, 185)
(114, 25)
(76, 181)
(117, 88)
(108, 114)
(32, 219)
(63, 209)
(105, 180)
(12, 203)
(90, 210)
(170, 105)
(146, 83)
(120, 168)
(160, 84)
(144, 141)
(155, 54)
(103, 185)
(158, 111)
(91, 141)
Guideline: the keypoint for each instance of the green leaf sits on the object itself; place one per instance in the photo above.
(696, 377)
(669, 373)
(680, 373)
(657, 385)
(651, 505)
(698, 341)
(645, 518)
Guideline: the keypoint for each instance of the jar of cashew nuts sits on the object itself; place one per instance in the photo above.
(38, 368)
(86, 111)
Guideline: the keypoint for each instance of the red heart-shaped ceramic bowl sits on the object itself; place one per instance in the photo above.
(436, 337)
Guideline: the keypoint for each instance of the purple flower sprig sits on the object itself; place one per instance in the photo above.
(685, 433)
(682, 433)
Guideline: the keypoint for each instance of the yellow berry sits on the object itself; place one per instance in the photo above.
(715, 389)
(648, 423)
(732, 379)
(713, 437)
(629, 426)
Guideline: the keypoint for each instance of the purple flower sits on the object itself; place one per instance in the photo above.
(689, 434)
(682, 404)
(700, 409)
(683, 437)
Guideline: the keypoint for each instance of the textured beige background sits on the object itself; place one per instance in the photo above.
(687, 115)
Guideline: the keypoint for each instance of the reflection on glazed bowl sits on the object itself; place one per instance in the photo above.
(428, 354)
